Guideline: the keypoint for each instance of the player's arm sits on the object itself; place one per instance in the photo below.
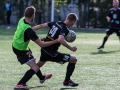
(108, 19)
(37, 27)
(45, 44)
(29, 33)
(62, 41)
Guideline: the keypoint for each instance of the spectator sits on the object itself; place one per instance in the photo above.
(8, 8)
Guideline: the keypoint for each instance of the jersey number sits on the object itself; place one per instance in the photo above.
(53, 31)
(66, 57)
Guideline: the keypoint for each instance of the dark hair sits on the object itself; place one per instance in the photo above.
(72, 17)
(29, 11)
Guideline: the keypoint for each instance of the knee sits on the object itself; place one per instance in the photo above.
(36, 68)
(73, 59)
(107, 36)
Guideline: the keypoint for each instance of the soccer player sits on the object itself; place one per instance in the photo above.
(24, 33)
(114, 18)
(59, 30)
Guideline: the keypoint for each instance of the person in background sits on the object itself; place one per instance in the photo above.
(8, 8)
(114, 18)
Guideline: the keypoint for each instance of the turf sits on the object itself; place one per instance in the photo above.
(95, 69)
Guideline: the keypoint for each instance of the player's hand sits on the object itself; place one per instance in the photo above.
(108, 19)
(42, 39)
(73, 48)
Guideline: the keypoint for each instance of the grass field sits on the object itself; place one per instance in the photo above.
(95, 69)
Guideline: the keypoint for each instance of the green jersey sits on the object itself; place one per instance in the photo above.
(18, 40)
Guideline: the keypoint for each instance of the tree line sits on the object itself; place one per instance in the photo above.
(92, 13)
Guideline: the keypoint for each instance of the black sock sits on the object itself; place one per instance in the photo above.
(27, 76)
(70, 69)
(104, 40)
(40, 76)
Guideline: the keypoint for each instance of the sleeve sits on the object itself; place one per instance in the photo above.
(109, 13)
(29, 33)
(50, 24)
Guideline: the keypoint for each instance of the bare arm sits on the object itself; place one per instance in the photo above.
(45, 44)
(108, 19)
(44, 25)
(39, 41)
(64, 43)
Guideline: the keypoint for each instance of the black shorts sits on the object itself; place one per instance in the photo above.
(56, 57)
(23, 56)
(110, 31)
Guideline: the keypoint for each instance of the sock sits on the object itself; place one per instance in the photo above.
(40, 76)
(27, 76)
(70, 69)
(104, 40)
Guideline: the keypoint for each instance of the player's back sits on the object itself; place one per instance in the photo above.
(56, 29)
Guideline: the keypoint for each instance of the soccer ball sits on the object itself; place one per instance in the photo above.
(71, 36)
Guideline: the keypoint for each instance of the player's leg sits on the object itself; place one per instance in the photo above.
(104, 41)
(28, 74)
(62, 58)
(8, 19)
(70, 68)
(27, 57)
(46, 76)
(108, 33)
(69, 72)
(33, 69)
(40, 63)
(43, 58)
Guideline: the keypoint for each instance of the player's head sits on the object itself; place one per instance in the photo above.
(71, 19)
(115, 3)
(30, 12)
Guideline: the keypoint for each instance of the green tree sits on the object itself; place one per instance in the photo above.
(98, 17)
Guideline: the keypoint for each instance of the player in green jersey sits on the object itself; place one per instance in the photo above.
(24, 33)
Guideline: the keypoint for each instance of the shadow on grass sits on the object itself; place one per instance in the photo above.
(20, 89)
(118, 63)
(36, 87)
(103, 52)
(29, 88)
(67, 88)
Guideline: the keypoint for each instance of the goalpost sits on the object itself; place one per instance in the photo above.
(52, 8)
(52, 11)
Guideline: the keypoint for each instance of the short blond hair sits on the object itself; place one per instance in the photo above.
(29, 11)
(72, 17)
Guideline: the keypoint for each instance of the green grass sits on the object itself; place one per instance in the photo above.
(95, 69)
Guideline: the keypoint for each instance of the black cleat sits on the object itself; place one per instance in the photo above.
(100, 47)
(70, 83)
